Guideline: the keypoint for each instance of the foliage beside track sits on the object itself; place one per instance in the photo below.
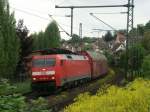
(135, 97)
(12, 102)
(146, 66)
(16, 103)
(6, 88)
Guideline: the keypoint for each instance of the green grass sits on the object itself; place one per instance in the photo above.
(19, 87)
(23, 87)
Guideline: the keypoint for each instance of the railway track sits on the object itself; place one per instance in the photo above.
(60, 100)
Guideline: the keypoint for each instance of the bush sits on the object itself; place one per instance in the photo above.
(6, 88)
(133, 98)
(16, 102)
(146, 66)
(110, 57)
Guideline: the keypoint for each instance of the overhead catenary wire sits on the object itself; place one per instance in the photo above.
(38, 16)
(112, 13)
(62, 2)
(60, 26)
(98, 29)
(44, 18)
(29, 13)
(103, 22)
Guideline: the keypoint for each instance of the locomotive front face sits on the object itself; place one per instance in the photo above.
(43, 69)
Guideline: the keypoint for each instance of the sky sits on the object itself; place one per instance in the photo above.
(35, 14)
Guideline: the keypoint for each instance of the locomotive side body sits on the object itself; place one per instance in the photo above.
(75, 68)
(60, 69)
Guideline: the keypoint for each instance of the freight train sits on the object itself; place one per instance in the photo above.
(56, 68)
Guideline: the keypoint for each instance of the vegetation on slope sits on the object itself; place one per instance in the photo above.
(12, 102)
(135, 97)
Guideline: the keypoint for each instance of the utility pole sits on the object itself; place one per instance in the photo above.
(130, 11)
(71, 22)
(80, 30)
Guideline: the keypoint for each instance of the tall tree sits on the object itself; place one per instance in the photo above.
(26, 45)
(48, 39)
(25, 40)
(140, 29)
(147, 25)
(9, 43)
(108, 36)
(146, 41)
(52, 35)
(75, 39)
(39, 41)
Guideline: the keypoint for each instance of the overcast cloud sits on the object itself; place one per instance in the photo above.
(35, 14)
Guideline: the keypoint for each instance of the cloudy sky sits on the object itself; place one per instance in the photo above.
(35, 14)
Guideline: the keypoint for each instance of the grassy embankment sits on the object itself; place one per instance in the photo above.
(135, 97)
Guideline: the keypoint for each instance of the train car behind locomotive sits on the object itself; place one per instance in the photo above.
(98, 62)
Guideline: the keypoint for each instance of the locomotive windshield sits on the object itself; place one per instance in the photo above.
(43, 62)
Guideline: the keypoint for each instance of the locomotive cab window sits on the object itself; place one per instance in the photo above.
(44, 62)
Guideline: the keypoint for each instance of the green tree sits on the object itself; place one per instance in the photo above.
(146, 41)
(88, 47)
(108, 36)
(9, 43)
(48, 39)
(25, 40)
(39, 41)
(88, 39)
(140, 29)
(25, 47)
(146, 66)
(75, 39)
(147, 25)
(136, 56)
(52, 36)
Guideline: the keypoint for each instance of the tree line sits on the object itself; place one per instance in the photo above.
(16, 43)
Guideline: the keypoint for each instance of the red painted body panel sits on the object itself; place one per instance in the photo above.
(76, 69)
(99, 64)
(66, 70)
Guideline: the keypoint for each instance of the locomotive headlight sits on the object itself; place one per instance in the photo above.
(34, 79)
(50, 72)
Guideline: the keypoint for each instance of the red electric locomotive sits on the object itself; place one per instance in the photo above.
(55, 68)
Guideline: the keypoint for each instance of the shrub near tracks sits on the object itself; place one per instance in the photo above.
(12, 102)
(135, 97)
